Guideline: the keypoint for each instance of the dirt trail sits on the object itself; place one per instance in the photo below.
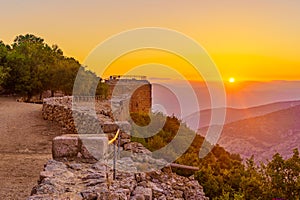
(25, 146)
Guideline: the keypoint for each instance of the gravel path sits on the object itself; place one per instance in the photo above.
(25, 146)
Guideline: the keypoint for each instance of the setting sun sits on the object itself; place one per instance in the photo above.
(231, 80)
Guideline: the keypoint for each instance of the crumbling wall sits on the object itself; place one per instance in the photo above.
(69, 176)
(88, 117)
(126, 96)
(71, 180)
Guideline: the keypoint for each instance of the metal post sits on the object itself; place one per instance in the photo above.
(114, 165)
(119, 144)
(113, 141)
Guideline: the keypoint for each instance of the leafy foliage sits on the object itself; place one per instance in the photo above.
(160, 132)
(224, 175)
(30, 66)
(3, 61)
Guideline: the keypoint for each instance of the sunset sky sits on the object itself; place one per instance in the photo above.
(248, 40)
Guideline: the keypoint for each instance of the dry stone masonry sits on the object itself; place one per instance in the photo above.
(89, 147)
(84, 117)
(73, 180)
(82, 161)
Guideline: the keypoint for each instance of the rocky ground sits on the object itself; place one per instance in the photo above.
(25, 146)
(73, 180)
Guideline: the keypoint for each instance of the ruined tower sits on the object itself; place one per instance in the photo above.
(130, 94)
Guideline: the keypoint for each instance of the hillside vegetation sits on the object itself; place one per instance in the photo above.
(222, 174)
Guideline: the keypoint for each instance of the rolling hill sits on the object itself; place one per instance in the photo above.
(234, 114)
(263, 136)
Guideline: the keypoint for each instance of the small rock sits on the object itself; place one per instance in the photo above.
(94, 176)
(145, 192)
(95, 182)
(75, 166)
(89, 195)
(45, 174)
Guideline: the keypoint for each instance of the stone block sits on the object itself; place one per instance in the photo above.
(90, 146)
(109, 127)
(124, 126)
(65, 146)
(94, 146)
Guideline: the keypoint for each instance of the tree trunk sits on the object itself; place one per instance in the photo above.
(29, 96)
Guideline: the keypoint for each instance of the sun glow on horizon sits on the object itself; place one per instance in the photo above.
(260, 47)
(231, 80)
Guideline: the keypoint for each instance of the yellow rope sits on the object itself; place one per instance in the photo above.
(116, 136)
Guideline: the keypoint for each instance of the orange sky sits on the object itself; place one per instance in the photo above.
(249, 40)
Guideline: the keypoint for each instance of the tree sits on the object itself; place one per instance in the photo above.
(102, 90)
(4, 69)
(3, 75)
(292, 174)
(280, 177)
(209, 181)
(29, 60)
(63, 74)
(30, 66)
(251, 182)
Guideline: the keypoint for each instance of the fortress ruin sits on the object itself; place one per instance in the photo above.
(81, 168)
(136, 91)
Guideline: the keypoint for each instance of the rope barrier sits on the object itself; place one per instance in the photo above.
(114, 139)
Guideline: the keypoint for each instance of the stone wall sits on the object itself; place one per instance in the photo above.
(69, 178)
(78, 181)
(88, 112)
(82, 117)
(82, 168)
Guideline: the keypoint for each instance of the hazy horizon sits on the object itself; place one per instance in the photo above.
(240, 95)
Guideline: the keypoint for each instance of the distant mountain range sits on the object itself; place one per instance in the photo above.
(202, 118)
(264, 135)
(253, 124)
(176, 97)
